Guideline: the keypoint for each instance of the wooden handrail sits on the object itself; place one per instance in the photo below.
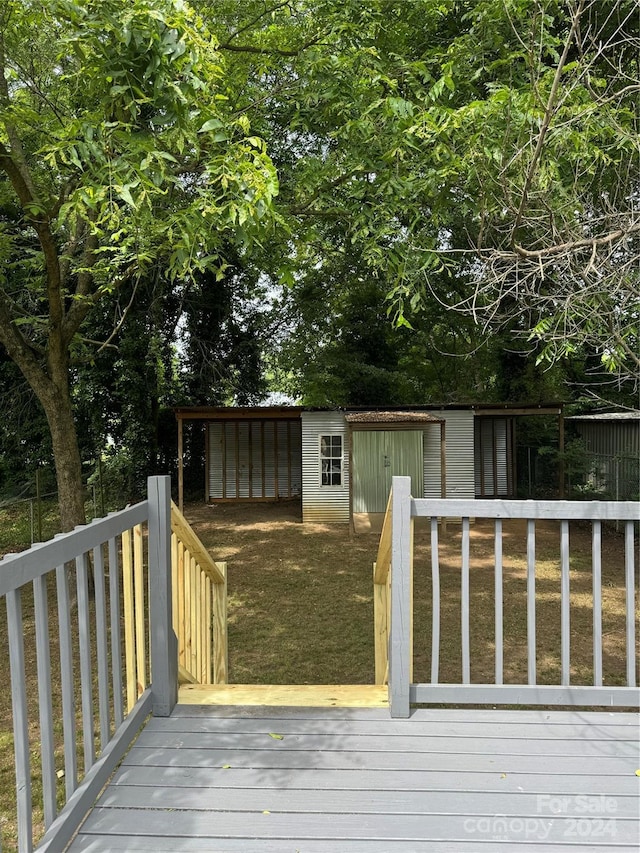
(184, 676)
(383, 559)
(181, 527)
(199, 606)
(381, 581)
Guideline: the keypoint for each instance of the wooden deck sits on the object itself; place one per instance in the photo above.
(302, 780)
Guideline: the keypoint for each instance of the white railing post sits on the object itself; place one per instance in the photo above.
(164, 648)
(400, 645)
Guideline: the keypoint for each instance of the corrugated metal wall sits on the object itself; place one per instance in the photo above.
(323, 503)
(613, 454)
(459, 450)
(460, 457)
(494, 457)
(254, 458)
(611, 438)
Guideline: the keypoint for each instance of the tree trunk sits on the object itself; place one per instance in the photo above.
(66, 455)
(52, 388)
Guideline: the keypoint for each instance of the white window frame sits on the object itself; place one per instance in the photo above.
(340, 458)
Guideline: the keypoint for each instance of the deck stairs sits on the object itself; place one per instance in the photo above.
(286, 695)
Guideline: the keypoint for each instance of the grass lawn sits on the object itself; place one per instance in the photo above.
(19, 520)
(301, 604)
(301, 609)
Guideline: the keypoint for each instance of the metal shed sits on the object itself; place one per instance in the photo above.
(348, 459)
(340, 463)
(612, 445)
(252, 454)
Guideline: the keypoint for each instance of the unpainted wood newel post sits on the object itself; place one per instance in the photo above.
(164, 647)
(401, 557)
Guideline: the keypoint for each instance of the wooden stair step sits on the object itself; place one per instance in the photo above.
(293, 695)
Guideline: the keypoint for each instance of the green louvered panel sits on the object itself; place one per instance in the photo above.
(377, 457)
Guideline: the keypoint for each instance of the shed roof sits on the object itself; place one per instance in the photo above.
(633, 415)
(391, 418)
(236, 412)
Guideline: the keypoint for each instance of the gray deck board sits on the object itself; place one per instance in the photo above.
(391, 727)
(255, 742)
(354, 781)
(373, 780)
(335, 801)
(456, 761)
(189, 844)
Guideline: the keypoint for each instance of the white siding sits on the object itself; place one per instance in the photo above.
(323, 503)
(460, 456)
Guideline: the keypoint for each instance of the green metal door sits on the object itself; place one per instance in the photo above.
(407, 460)
(368, 475)
(377, 456)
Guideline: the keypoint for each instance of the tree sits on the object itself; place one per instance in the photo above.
(547, 164)
(494, 141)
(121, 159)
(223, 338)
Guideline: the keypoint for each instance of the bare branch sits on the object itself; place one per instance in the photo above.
(255, 20)
(548, 115)
(273, 51)
(120, 323)
(575, 245)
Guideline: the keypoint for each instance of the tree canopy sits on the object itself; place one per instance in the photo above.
(479, 156)
(121, 159)
(380, 201)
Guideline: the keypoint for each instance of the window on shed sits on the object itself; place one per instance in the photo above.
(331, 460)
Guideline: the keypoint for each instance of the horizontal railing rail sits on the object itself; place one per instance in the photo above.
(108, 622)
(403, 691)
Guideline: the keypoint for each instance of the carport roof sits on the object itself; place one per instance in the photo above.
(237, 412)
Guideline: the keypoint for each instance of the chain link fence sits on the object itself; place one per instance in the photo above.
(32, 515)
(609, 477)
(589, 475)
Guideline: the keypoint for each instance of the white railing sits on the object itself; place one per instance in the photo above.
(107, 686)
(402, 689)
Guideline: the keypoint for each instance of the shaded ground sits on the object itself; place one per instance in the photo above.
(300, 598)
(301, 605)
